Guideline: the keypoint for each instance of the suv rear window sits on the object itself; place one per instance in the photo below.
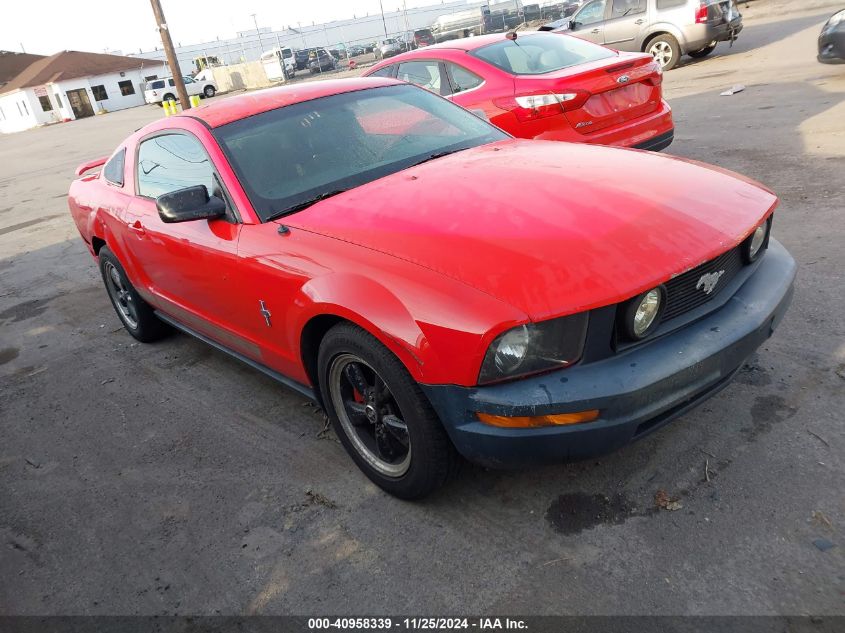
(538, 53)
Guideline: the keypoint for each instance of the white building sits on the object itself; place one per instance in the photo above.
(72, 85)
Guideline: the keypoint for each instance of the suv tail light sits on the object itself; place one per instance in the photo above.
(530, 107)
(701, 12)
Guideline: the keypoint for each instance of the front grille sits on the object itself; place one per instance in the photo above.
(681, 292)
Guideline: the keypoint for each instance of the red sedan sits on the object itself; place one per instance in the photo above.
(438, 287)
(546, 86)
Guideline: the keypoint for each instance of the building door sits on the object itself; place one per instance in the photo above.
(79, 103)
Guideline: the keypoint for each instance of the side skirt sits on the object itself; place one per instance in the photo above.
(287, 382)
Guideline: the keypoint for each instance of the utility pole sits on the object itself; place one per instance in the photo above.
(383, 21)
(258, 33)
(172, 61)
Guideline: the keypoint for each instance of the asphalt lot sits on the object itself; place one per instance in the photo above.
(168, 478)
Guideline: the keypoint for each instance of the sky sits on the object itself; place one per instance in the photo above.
(48, 26)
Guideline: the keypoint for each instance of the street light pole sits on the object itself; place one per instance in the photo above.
(383, 21)
(258, 33)
(172, 60)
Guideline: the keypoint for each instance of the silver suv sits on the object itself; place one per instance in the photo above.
(667, 29)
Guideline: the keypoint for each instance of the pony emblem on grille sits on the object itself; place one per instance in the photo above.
(707, 283)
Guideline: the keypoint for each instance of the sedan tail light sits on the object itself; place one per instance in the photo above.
(529, 107)
(701, 12)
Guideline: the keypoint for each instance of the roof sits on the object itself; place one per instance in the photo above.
(74, 64)
(471, 43)
(223, 111)
(12, 64)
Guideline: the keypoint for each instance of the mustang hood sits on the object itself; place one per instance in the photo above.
(551, 228)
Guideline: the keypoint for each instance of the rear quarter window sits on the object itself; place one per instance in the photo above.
(540, 53)
(155, 85)
(113, 171)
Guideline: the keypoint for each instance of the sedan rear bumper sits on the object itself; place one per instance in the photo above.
(636, 391)
(634, 133)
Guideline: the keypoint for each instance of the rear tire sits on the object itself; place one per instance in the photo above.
(381, 415)
(167, 97)
(665, 51)
(704, 52)
(137, 315)
(209, 92)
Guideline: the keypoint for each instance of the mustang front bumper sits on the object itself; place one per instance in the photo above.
(636, 391)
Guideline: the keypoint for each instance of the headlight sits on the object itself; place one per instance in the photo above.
(642, 313)
(535, 347)
(757, 242)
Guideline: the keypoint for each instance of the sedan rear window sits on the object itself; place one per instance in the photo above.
(291, 156)
(538, 53)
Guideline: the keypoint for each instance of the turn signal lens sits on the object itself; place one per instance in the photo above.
(535, 421)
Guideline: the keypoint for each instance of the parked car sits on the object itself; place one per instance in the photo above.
(832, 40)
(388, 48)
(164, 89)
(301, 57)
(321, 60)
(438, 287)
(667, 29)
(546, 86)
(423, 37)
(355, 50)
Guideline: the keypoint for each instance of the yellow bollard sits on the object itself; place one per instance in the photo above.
(195, 101)
(166, 107)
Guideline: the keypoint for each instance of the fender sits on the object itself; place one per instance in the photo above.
(372, 307)
(457, 320)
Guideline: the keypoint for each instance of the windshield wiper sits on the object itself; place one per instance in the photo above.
(436, 155)
(299, 206)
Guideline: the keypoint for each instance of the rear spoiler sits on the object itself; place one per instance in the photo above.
(91, 164)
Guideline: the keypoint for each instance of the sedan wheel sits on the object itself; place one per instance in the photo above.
(665, 51)
(370, 415)
(120, 296)
(381, 415)
(137, 316)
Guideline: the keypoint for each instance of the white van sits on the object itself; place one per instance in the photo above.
(159, 90)
(279, 63)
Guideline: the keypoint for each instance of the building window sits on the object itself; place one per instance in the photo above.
(126, 88)
(46, 106)
(100, 93)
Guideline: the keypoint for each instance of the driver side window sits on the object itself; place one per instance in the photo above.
(591, 13)
(170, 162)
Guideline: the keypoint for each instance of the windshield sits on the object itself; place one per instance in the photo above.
(538, 53)
(289, 156)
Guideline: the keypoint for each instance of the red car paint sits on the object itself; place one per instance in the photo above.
(502, 234)
(608, 113)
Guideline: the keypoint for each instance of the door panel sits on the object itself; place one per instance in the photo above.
(588, 22)
(624, 27)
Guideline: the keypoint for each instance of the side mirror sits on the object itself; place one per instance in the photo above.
(191, 203)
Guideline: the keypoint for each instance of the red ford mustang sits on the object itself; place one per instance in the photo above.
(439, 287)
(546, 86)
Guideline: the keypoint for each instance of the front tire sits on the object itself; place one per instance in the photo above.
(704, 52)
(665, 51)
(137, 315)
(381, 415)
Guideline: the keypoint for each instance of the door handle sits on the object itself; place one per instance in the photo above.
(595, 31)
(640, 21)
(137, 227)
